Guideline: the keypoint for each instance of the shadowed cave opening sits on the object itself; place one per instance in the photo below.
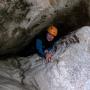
(62, 31)
(29, 50)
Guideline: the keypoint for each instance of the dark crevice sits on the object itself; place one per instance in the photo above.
(66, 23)
(30, 48)
(21, 71)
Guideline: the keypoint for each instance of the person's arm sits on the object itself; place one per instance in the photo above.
(39, 47)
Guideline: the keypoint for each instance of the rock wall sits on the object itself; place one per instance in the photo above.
(21, 20)
(71, 72)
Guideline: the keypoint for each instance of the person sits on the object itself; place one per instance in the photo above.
(45, 42)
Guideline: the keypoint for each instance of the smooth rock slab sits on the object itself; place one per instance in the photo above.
(73, 70)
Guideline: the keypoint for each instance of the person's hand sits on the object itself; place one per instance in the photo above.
(48, 57)
(46, 51)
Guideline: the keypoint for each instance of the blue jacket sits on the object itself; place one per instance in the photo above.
(40, 47)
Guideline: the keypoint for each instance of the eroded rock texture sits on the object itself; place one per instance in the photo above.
(71, 72)
(21, 20)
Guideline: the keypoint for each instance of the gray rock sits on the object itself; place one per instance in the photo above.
(21, 20)
(72, 72)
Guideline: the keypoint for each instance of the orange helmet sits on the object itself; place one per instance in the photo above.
(53, 30)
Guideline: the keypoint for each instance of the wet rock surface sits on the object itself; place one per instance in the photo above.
(71, 72)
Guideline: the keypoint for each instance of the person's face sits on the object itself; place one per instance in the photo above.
(49, 37)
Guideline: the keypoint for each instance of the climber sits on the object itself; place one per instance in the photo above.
(45, 42)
